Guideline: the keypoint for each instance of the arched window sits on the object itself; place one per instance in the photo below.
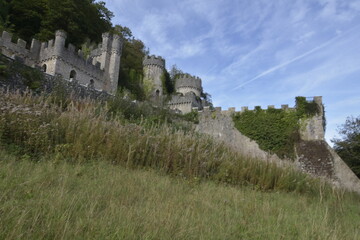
(72, 75)
(91, 83)
(43, 68)
(157, 93)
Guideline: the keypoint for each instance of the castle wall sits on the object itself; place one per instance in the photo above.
(185, 103)
(49, 83)
(221, 127)
(102, 68)
(343, 176)
(187, 83)
(19, 50)
(313, 155)
(185, 90)
(154, 68)
(313, 128)
(183, 107)
(82, 77)
(153, 74)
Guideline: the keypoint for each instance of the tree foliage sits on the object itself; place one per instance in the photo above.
(175, 72)
(131, 67)
(348, 146)
(81, 19)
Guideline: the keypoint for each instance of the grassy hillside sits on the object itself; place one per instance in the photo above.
(80, 169)
(97, 200)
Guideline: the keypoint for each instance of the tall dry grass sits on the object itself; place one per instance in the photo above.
(86, 131)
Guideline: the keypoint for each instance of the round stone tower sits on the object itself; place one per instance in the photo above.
(60, 38)
(153, 72)
(187, 83)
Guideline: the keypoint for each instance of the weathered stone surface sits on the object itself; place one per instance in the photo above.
(50, 83)
(314, 155)
(221, 127)
(101, 68)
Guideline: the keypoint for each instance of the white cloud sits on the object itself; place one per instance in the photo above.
(280, 45)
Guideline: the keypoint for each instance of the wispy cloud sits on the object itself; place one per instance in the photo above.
(279, 66)
(298, 46)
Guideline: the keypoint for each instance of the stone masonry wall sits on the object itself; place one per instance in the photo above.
(101, 68)
(221, 127)
(49, 83)
(153, 71)
(314, 156)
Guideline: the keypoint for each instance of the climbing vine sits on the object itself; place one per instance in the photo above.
(276, 130)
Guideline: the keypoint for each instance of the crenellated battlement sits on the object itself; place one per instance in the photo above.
(100, 68)
(188, 83)
(155, 61)
(185, 103)
(19, 49)
(233, 110)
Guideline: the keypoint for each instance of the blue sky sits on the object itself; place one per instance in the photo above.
(257, 52)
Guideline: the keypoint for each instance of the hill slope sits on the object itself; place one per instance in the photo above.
(97, 200)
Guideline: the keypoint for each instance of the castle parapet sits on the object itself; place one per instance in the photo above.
(153, 60)
(57, 59)
(188, 83)
(285, 107)
(19, 49)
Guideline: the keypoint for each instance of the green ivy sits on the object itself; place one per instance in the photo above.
(306, 108)
(276, 130)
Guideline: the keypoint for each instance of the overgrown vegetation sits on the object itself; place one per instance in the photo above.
(32, 78)
(131, 67)
(276, 130)
(86, 131)
(192, 116)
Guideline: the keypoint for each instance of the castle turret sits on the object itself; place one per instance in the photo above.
(105, 51)
(60, 38)
(187, 83)
(114, 63)
(154, 70)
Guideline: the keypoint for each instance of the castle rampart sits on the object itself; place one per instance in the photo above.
(155, 61)
(185, 103)
(187, 83)
(101, 71)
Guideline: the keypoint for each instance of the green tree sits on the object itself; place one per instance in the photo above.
(27, 17)
(4, 16)
(348, 146)
(131, 67)
(175, 72)
(81, 19)
(168, 86)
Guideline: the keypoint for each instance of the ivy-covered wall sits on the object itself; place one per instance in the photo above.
(276, 130)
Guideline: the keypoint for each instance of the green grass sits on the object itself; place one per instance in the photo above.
(85, 172)
(97, 200)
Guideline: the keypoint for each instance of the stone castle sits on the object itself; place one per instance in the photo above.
(100, 70)
(188, 88)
